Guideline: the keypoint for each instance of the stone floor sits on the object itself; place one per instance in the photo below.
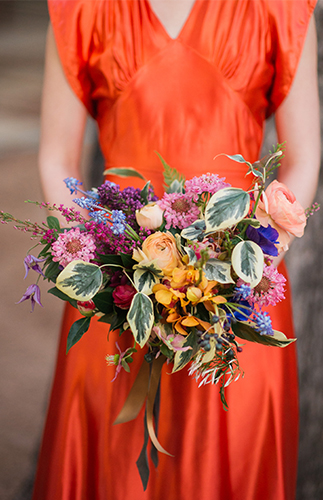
(28, 341)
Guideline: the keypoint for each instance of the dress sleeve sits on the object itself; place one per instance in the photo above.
(288, 21)
(73, 23)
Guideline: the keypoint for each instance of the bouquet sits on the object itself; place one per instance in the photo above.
(189, 274)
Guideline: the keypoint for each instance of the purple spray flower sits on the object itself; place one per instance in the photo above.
(32, 293)
(31, 262)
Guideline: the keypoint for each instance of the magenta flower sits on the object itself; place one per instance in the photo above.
(206, 183)
(73, 245)
(119, 360)
(32, 293)
(179, 210)
(31, 262)
(270, 290)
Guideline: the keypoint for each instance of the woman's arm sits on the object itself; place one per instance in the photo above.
(298, 123)
(63, 119)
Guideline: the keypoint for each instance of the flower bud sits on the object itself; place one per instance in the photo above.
(150, 216)
(86, 308)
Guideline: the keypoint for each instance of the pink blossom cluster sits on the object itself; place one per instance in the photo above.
(206, 183)
(179, 210)
(73, 245)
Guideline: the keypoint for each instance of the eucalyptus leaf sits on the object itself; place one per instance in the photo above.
(123, 172)
(248, 262)
(141, 318)
(244, 331)
(226, 208)
(219, 271)
(77, 331)
(80, 280)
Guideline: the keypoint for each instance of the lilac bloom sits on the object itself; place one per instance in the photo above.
(265, 237)
(31, 262)
(32, 293)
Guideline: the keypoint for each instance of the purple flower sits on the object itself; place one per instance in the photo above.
(32, 293)
(265, 237)
(31, 262)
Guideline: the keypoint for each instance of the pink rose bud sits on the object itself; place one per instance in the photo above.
(122, 296)
(150, 216)
(86, 308)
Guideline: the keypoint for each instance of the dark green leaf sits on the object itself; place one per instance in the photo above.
(123, 172)
(53, 222)
(52, 270)
(104, 300)
(127, 260)
(166, 351)
(144, 193)
(116, 260)
(244, 331)
(77, 331)
(183, 357)
(55, 291)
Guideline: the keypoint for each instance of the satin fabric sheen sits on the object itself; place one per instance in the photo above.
(191, 98)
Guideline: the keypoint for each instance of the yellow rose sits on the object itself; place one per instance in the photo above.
(160, 248)
(150, 216)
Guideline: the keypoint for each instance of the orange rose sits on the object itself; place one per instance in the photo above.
(282, 211)
(160, 248)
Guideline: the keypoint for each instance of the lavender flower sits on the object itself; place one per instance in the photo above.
(31, 262)
(72, 183)
(32, 293)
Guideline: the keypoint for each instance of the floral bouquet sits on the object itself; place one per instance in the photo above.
(189, 274)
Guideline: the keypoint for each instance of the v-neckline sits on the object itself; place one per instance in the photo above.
(161, 25)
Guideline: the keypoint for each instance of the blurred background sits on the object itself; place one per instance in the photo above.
(29, 341)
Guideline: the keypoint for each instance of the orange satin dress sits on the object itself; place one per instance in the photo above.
(206, 92)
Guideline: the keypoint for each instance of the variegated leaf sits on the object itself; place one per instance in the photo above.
(191, 255)
(149, 266)
(183, 357)
(244, 331)
(145, 280)
(80, 280)
(194, 231)
(248, 262)
(226, 208)
(218, 270)
(141, 318)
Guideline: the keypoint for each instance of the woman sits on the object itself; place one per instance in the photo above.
(189, 80)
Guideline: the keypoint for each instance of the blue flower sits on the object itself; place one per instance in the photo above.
(243, 291)
(32, 293)
(263, 323)
(118, 218)
(93, 194)
(265, 237)
(83, 202)
(99, 216)
(72, 183)
(31, 262)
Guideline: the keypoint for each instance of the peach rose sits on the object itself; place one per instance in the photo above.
(160, 248)
(281, 210)
(150, 216)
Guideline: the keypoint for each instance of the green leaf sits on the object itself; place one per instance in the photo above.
(52, 270)
(144, 193)
(80, 280)
(238, 158)
(226, 208)
(53, 222)
(123, 172)
(77, 331)
(116, 260)
(145, 280)
(194, 231)
(219, 271)
(170, 174)
(166, 351)
(127, 260)
(244, 331)
(183, 357)
(104, 300)
(141, 318)
(55, 291)
(176, 187)
(248, 262)
(151, 267)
